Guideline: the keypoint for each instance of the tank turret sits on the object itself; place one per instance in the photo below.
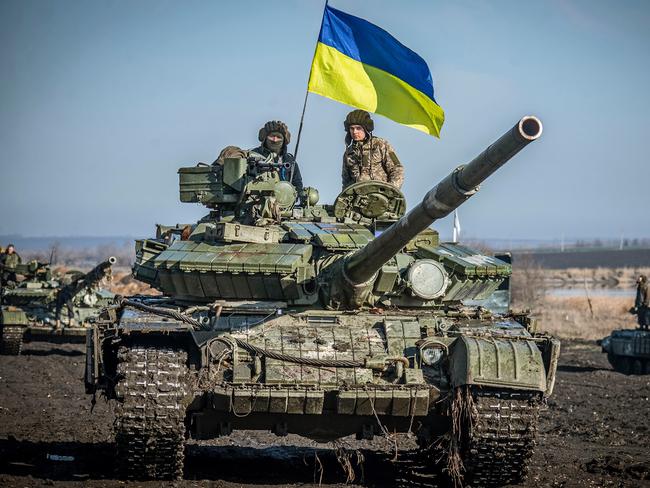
(257, 244)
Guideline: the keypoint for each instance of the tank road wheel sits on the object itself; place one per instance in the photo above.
(150, 414)
(621, 364)
(12, 339)
(637, 367)
(498, 441)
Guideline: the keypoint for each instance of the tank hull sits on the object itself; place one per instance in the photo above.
(227, 389)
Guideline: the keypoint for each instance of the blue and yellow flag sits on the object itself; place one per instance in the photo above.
(360, 64)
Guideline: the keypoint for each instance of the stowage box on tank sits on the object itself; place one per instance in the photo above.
(325, 321)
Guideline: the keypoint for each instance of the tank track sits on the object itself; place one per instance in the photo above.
(502, 438)
(629, 365)
(12, 340)
(150, 413)
(495, 450)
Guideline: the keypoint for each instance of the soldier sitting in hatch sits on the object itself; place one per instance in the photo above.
(271, 154)
(8, 262)
(642, 303)
(367, 157)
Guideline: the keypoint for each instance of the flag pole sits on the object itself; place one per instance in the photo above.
(302, 118)
(304, 105)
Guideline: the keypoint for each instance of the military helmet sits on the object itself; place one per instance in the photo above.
(275, 126)
(359, 117)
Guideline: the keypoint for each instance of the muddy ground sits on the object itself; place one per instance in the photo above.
(594, 432)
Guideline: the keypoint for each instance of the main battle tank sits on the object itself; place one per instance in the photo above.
(324, 321)
(28, 308)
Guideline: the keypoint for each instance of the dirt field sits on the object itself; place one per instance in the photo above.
(595, 432)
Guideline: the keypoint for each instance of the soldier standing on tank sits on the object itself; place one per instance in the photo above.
(8, 262)
(366, 156)
(64, 298)
(642, 302)
(275, 137)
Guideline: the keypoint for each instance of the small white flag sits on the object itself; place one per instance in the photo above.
(456, 234)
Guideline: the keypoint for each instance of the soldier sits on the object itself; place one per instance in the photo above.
(275, 137)
(272, 153)
(367, 157)
(642, 302)
(8, 262)
(64, 298)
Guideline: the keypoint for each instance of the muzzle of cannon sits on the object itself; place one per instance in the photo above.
(361, 267)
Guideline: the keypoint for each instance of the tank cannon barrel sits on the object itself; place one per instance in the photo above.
(440, 201)
(98, 272)
(91, 278)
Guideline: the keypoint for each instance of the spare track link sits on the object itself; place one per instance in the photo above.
(12, 339)
(502, 438)
(150, 413)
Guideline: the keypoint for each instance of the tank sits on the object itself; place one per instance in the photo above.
(28, 308)
(323, 321)
(628, 350)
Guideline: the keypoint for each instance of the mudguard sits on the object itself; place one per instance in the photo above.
(497, 362)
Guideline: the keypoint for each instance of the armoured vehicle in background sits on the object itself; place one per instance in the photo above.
(324, 321)
(28, 308)
(628, 350)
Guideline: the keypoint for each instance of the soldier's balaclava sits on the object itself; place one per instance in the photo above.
(358, 117)
(274, 146)
(275, 126)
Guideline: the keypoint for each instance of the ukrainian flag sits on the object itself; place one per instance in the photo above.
(360, 64)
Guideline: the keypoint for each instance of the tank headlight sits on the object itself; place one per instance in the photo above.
(431, 355)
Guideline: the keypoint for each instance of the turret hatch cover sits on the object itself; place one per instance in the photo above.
(374, 200)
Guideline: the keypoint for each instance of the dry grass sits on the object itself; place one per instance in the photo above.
(570, 317)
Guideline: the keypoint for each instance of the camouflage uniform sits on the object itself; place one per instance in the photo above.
(642, 303)
(371, 159)
(8, 263)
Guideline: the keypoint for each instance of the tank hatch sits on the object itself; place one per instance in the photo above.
(369, 201)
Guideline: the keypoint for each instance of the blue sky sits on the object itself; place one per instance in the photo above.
(102, 101)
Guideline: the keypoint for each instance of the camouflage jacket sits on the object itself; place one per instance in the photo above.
(9, 261)
(642, 296)
(372, 159)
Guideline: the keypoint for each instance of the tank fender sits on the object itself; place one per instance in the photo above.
(497, 362)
